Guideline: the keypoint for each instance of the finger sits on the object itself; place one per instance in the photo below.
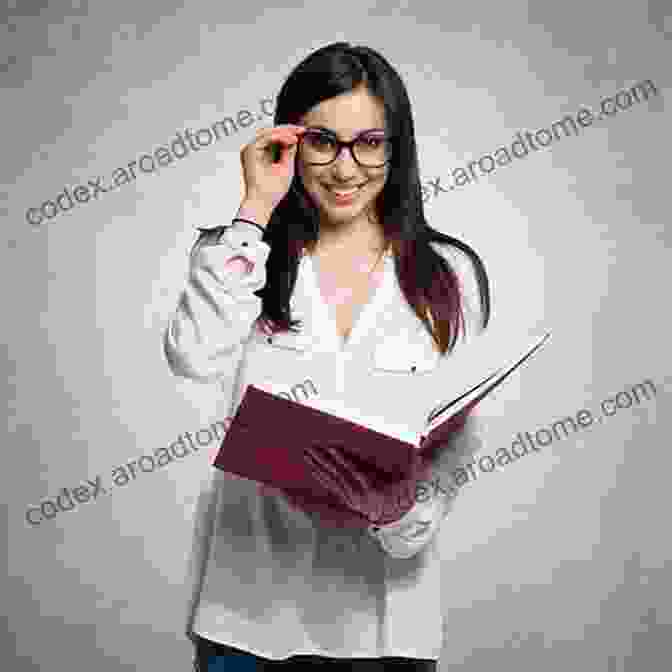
(333, 461)
(281, 150)
(336, 475)
(322, 474)
(279, 134)
(287, 143)
(294, 128)
(358, 479)
(344, 483)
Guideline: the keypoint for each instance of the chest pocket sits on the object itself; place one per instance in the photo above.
(282, 363)
(404, 358)
(400, 379)
(276, 354)
(284, 340)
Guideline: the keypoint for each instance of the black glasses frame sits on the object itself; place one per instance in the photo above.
(350, 145)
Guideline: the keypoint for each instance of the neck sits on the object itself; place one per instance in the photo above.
(358, 235)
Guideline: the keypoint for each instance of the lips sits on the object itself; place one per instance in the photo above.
(342, 191)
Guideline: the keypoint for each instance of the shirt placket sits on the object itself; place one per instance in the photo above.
(341, 359)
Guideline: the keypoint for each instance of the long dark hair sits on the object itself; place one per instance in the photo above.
(426, 279)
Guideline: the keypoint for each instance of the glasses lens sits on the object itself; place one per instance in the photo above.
(321, 148)
(373, 150)
(318, 147)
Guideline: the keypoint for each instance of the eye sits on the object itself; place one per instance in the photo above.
(372, 142)
(319, 140)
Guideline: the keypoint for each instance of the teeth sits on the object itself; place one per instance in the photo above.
(344, 193)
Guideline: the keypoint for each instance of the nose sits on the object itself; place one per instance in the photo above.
(344, 165)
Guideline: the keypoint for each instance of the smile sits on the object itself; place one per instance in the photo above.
(343, 192)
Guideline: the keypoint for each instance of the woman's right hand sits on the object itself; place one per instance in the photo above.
(267, 182)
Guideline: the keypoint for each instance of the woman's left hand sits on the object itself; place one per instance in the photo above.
(344, 477)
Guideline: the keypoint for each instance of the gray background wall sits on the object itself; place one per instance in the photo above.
(558, 561)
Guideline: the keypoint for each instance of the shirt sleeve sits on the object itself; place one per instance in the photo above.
(414, 531)
(218, 307)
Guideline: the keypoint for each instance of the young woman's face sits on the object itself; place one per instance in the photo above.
(348, 116)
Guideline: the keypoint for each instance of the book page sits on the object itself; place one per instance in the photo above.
(487, 362)
(377, 423)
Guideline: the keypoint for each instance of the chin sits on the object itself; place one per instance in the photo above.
(343, 214)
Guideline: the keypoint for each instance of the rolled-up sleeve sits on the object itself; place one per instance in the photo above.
(218, 306)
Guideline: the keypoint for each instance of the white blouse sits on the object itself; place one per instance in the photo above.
(268, 578)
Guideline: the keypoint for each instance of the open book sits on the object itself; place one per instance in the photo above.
(268, 437)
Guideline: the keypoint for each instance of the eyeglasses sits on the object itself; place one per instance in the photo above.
(371, 149)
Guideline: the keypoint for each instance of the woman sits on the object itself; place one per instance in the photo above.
(331, 230)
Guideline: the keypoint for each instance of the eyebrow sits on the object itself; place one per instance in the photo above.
(331, 132)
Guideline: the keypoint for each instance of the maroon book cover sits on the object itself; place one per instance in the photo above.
(264, 443)
(273, 440)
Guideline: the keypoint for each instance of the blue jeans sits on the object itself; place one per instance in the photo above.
(216, 657)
